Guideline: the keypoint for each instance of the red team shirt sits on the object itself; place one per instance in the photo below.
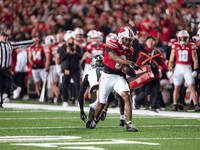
(52, 50)
(184, 53)
(38, 56)
(115, 46)
(171, 42)
(81, 42)
(94, 50)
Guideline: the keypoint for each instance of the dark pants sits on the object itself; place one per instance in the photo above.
(152, 88)
(6, 81)
(66, 82)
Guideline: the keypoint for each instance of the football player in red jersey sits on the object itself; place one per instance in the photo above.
(118, 52)
(184, 53)
(51, 51)
(37, 60)
(96, 47)
(79, 36)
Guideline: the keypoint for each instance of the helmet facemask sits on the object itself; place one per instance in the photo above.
(183, 37)
(125, 42)
(97, 61)
(126, 37)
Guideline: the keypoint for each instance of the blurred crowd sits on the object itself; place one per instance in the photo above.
(158, 18)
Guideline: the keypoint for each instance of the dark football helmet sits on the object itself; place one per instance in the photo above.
(97, 61)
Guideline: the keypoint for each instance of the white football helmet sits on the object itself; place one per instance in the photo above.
(198, 32)
(111, 36)
(95, 37)
(89, 34)
(199, 26)
(183, 37)
(101, 35)
(78, 33)
(67, 36)
(126, 37)
(49, 40)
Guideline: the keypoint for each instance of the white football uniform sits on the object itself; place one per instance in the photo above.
(183, 69)
(38, 75)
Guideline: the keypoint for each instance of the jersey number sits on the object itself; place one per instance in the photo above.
(36, 55)
(119, 66)
(54, 53)
(183, 56)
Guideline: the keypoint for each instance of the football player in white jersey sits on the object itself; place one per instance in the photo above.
(92, 79)
(183, 53)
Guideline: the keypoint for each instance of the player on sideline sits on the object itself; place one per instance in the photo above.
(184, 52)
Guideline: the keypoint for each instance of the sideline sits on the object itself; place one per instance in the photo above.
(110, 110)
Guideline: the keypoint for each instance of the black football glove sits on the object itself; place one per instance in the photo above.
(134, 66)
(130, 72)
(83, 116)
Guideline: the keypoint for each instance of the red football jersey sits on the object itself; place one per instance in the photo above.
(52, 50)
(85, 44)
(183, 54)
(38, 56)
(95, 50)
(171, 42)
(115, 46)
(80, 42)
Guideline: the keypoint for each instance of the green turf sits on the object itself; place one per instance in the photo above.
(170, 133)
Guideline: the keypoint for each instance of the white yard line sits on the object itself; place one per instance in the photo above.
(82, 127)
(75, 138)
(56, 118)
(110, 110)
(85, 143)
(46, 118)
(75, 142)
(27, 111)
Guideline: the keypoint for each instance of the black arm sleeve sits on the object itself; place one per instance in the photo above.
(63, 54)
(137, 48)
(78, 51)
(134, 30)
(83, 88)
(108, 49)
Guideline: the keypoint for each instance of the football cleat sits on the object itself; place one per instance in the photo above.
(196, 108)
(103, 116)
(131, 128)
(87, 125)
(174, 107)
(65, 104)
(154, 110)
(180, 107)
(16, 92)
(122, 123)
(93, 124)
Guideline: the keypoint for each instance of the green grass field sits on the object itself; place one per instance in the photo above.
(32, 129)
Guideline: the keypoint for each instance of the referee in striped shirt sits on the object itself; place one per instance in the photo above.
(6, 49)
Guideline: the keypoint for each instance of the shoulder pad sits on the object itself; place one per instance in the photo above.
(112, 44)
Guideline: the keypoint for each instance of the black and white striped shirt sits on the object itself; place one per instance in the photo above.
(6, 51)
